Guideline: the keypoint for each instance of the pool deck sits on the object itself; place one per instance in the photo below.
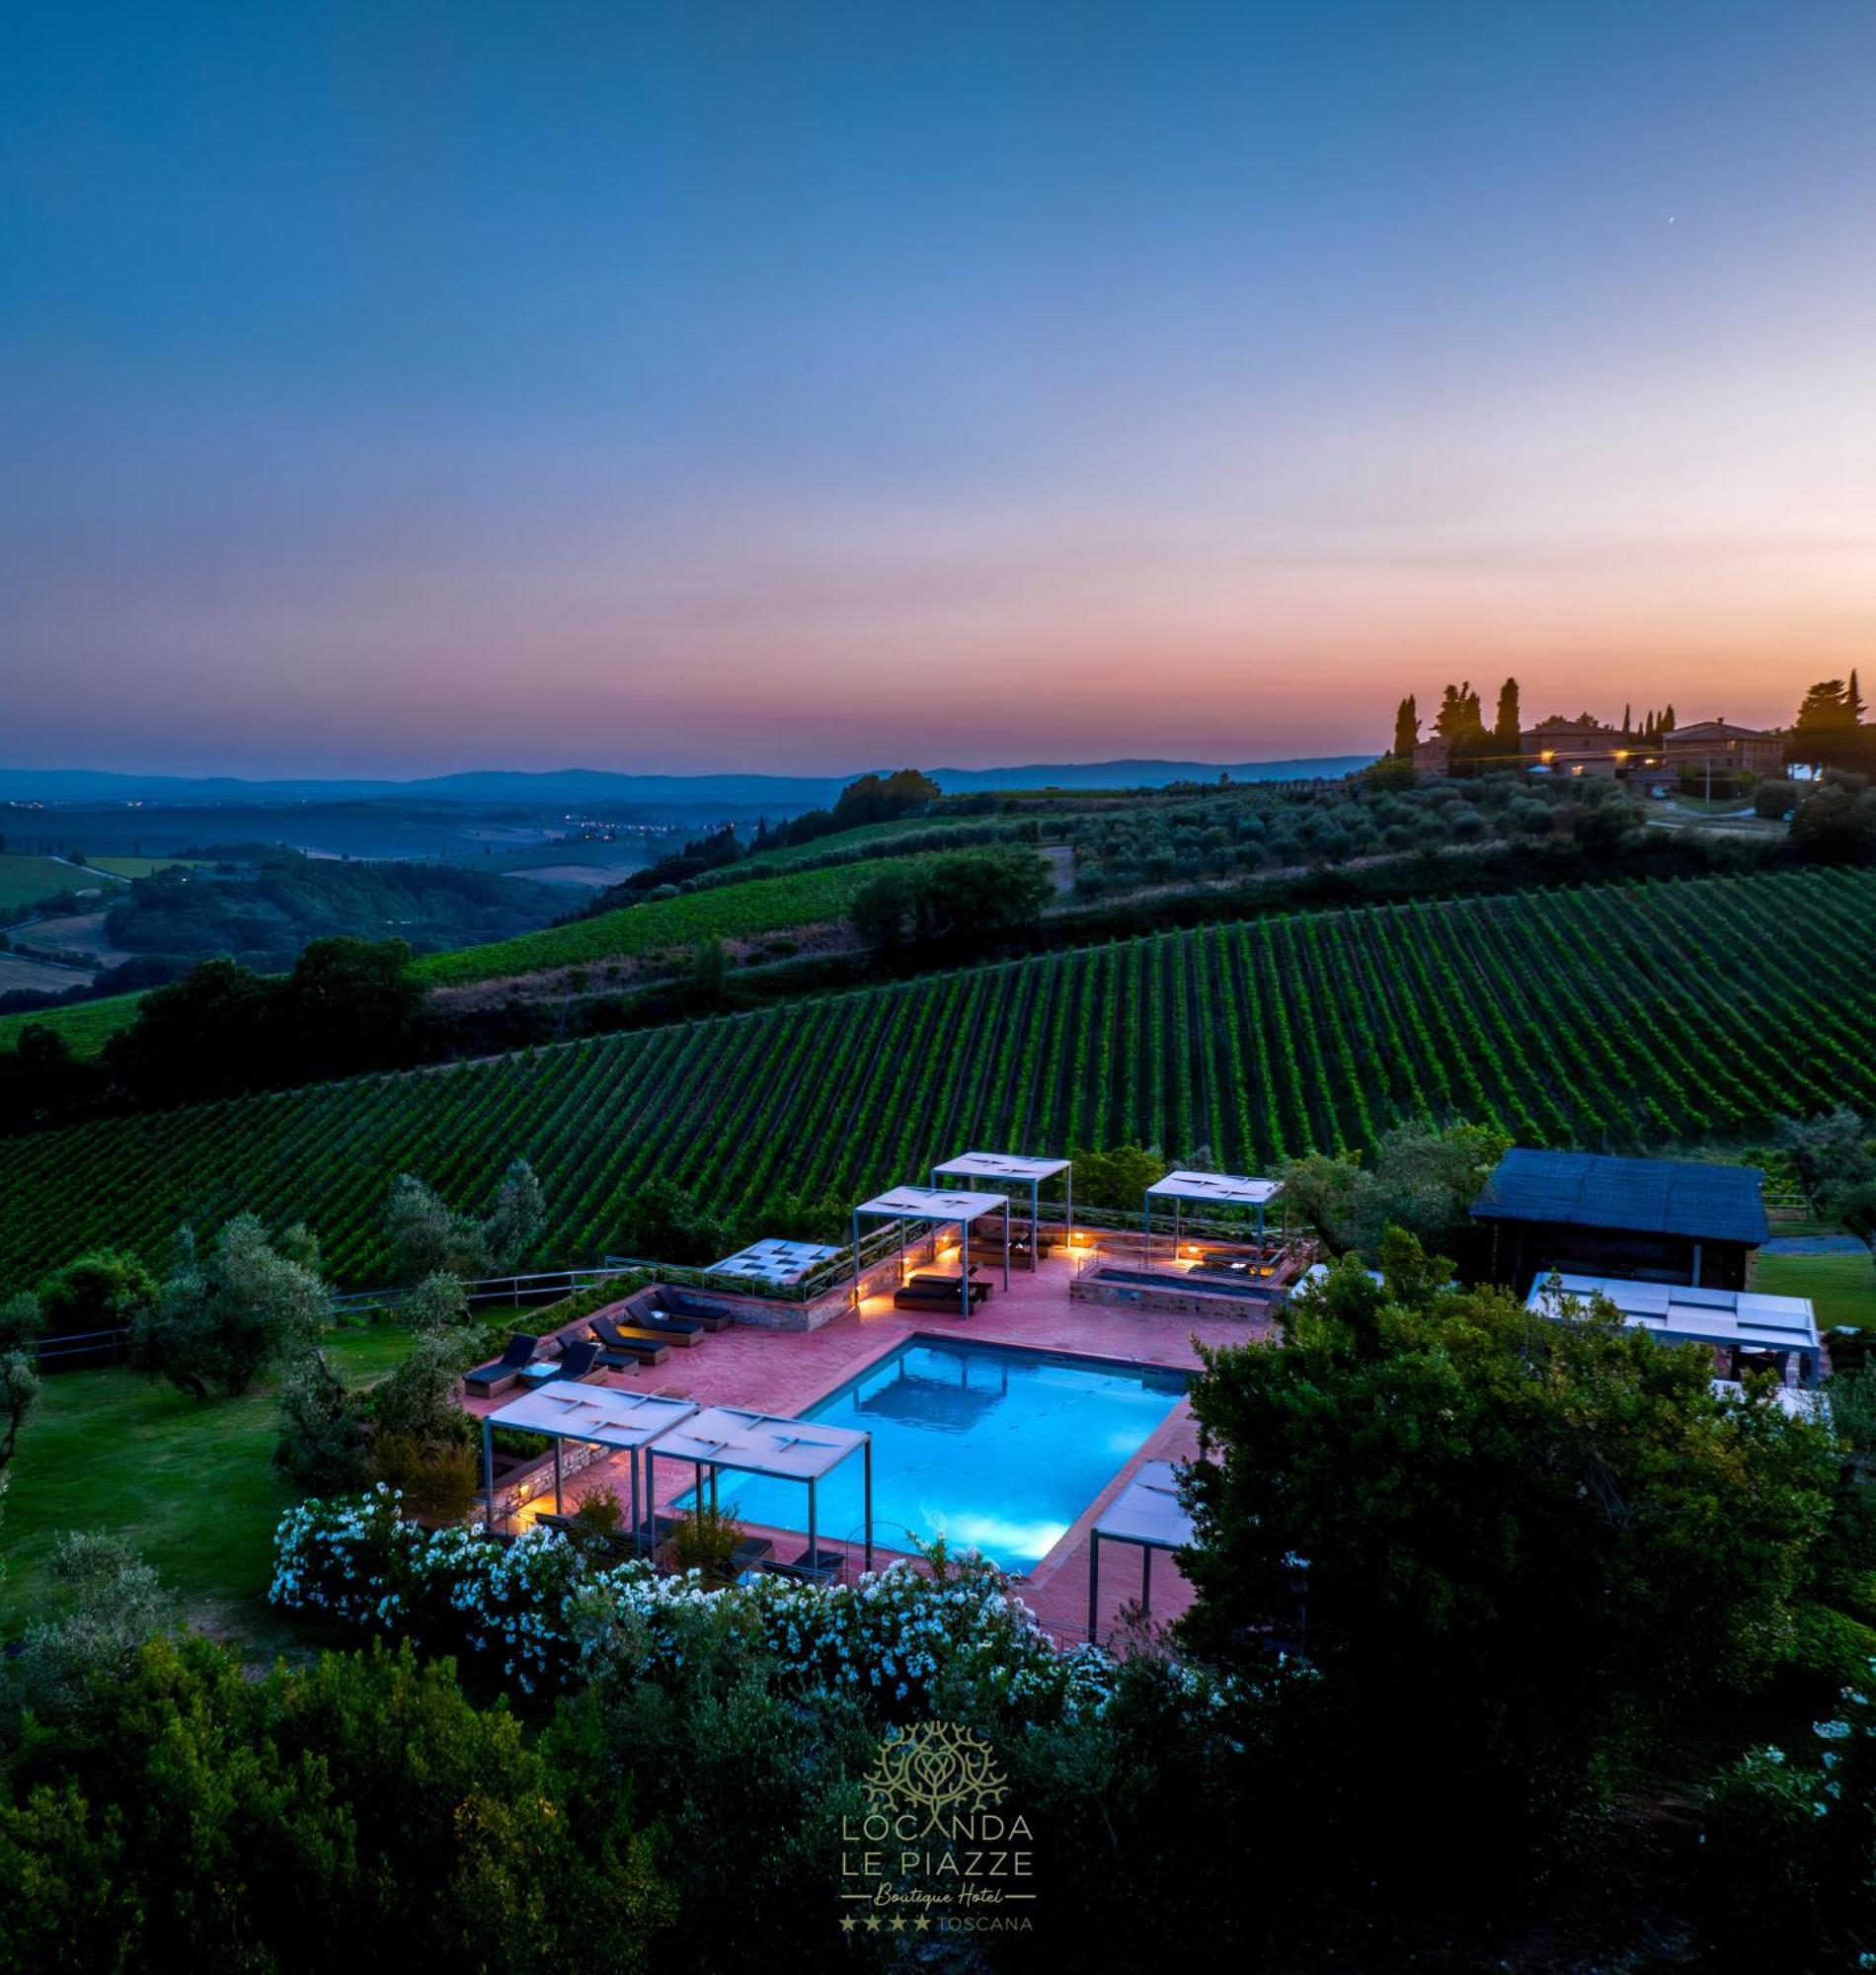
(786, 1372)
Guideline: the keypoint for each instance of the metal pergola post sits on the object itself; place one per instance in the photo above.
(865, 1454)
(487, 1476)
(964, 1264)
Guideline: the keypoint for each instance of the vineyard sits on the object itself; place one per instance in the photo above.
(752, 911)
(1607, 1017)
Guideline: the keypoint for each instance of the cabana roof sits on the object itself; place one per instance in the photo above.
(752, 1442)
(923, 1203)
(564, 1410)
(1742, 1318)
(1001, 1166)
(779, 1262)
(1146, 1510)
(1220, 1189)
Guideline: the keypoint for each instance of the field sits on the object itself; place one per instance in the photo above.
(85, 1025)
(21, 972)
(140, 867)
(190, 1482)
(1843, 1287)
(1608, 1017)
(26, 879)
(748, 910)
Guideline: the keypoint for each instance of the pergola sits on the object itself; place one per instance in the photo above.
(563, 1409)
(910, 1204)
(1214, 1190)
(767, 1444)
(1015, 1170)
(1678, 1313)
(779, 1263)
(1146, 1513)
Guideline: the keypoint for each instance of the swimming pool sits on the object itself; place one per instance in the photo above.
(985, 1444)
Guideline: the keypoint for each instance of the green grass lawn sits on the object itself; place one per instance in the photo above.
(1841, 1288)
(86, 1025)
(190, 1482)
(24, 879)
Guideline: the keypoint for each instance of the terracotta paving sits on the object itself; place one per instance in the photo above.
(786, 1372)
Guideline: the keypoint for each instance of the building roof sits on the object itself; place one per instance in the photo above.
(1704, 1203)
(1221, 1189)
(923, 1203)
(1681, 1314)
(1000, 1165)
(1716, 729)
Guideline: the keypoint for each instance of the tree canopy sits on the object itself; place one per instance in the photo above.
(1512, 1547)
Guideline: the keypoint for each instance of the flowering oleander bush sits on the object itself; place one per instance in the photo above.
(1791, 1843)
(901, 1642)
(353, 1559)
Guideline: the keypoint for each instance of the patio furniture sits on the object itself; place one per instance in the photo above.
(580, 1359)
(652, 1326)
(942, 1285)
(627, 1353)
(929, 1297)
(500, 1375)
(676, 1303)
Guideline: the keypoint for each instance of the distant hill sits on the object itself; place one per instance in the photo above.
(790, 793)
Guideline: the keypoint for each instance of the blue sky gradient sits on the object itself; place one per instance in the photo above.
(406, 387)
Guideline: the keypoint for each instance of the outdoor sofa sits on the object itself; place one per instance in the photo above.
(500, 1374)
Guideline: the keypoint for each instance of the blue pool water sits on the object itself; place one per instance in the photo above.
(983, 1443)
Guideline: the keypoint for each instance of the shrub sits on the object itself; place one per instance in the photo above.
(103, 1289)
(438, 1480)
(705, 1542)
(898, 1641)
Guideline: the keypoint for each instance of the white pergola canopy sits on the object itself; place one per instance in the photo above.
(564, 1410)
(772, 1446)
(782, 1263)
(1013, 1170)
(1146, 1513)
(924, 1203)
(1220, 1189)
(1213, 1190)
(908, 1204)
(1677, 1313)
(999, 1165)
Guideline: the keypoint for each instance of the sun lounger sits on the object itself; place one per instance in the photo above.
(936, 1285)
(486, 1381)
(682, 1331)
(615, 1336)
(580, 1358)
(630, 1352)
(675, 1303)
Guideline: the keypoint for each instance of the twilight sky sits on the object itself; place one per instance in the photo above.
(402, 387)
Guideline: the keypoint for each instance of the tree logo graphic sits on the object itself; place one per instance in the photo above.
(938, 1770)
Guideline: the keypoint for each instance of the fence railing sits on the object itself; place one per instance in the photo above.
(539, 1286)
(64, 1354)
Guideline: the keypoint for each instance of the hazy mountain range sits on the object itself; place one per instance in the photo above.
(574, 786)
